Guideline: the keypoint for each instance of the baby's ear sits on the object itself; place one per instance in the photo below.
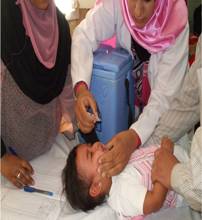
(95, 189)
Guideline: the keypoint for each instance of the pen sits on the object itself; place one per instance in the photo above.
(32, 189)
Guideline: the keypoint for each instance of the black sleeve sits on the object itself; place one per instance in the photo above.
(3, 148)
(197, 21)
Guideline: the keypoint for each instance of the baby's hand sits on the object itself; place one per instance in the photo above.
(167, 144)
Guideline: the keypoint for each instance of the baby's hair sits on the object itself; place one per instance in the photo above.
(75, 188)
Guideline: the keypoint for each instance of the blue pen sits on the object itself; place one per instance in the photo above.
(32, 189)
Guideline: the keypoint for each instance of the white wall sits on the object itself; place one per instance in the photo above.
(86, 3)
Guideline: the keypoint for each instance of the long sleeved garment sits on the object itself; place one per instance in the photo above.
(166, 69)
(3, 148)
(186, 110)
(31, 128)
(186, 178)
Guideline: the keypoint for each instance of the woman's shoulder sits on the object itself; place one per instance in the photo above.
(181, 42)
(113, 6)
(179, 46)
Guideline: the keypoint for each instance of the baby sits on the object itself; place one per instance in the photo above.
(131, 193)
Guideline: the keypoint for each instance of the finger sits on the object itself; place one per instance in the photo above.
(17, 183)
(84, 119)
(166, 143)
(111, 168)
(26, 165)
(86, 123)
(89, 102)
(85, 129)
(91, 118)
(103, 168)
(22, 180)
(163, 152)
(110, 144)
(156, 153)
(114, 171)
(107, 157)
(165, 140)
(82, 115)
(93, 106)
(25, 178)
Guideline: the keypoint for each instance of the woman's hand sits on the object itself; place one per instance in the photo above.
(17, 170)
(162, 167)
(85, 100)
(167, 144)
(120, 148)
(163, 162)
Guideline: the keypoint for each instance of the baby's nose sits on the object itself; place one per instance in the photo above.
(95, 147)
(100, 146)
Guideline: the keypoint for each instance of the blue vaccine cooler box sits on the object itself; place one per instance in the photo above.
(112, 86)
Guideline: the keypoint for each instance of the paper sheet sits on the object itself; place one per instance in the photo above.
(19, 205)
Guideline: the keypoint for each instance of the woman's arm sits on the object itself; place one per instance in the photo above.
(166, 74)
(98, 25)
(185, 109)
(189, 184)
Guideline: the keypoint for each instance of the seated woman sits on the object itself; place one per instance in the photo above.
(35, 81)
(130, 193)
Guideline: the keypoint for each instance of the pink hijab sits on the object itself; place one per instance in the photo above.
(42, 28)
(162, 29)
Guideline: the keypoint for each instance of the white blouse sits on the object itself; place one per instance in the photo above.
(166, 69)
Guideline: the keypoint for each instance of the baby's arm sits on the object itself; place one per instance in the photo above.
(154, 199)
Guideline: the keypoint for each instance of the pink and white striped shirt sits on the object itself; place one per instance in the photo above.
(129, 188)
(142, 160)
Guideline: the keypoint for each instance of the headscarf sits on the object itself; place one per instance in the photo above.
(27, 66)
(42, 28)
(162, 29)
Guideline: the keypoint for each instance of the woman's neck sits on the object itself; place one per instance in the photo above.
(41, 4)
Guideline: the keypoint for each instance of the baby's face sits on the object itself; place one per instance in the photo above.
(87, 157)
